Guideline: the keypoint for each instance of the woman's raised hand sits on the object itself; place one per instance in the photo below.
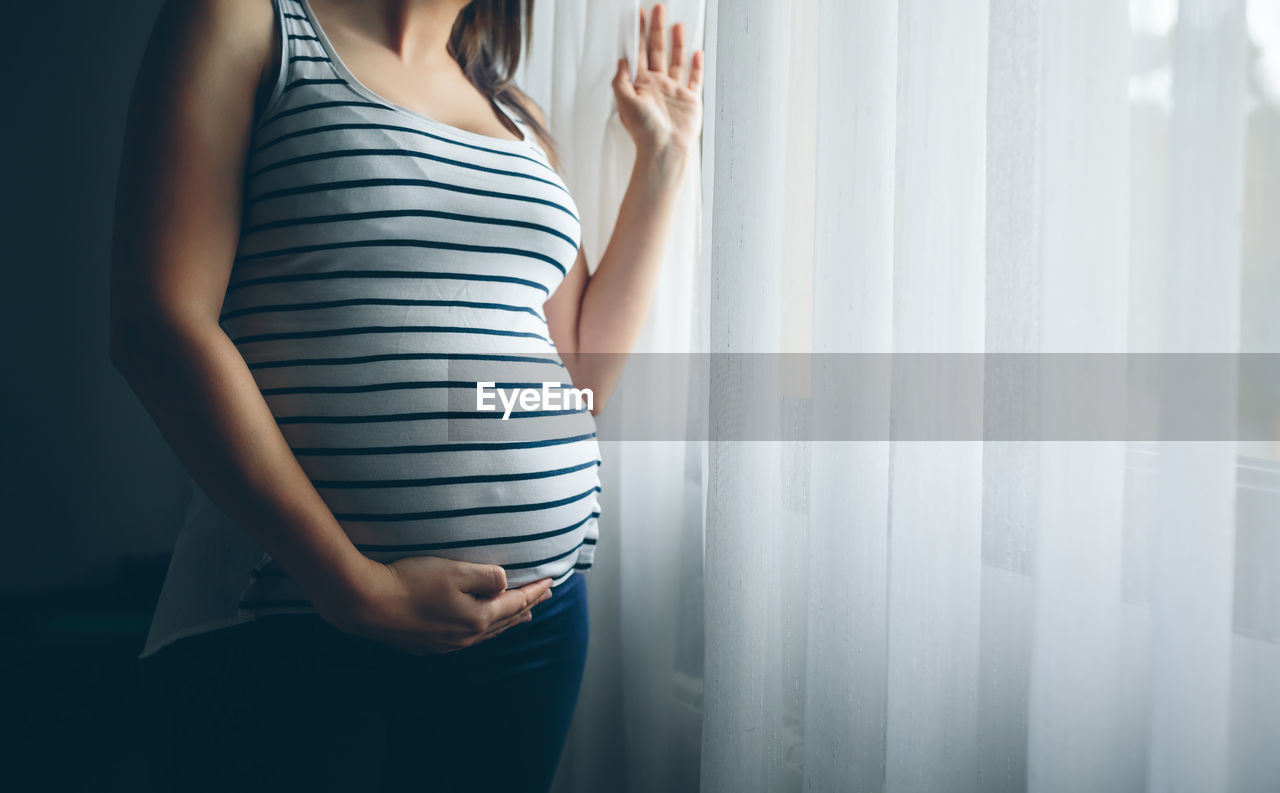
(662, 107)
(430, 604)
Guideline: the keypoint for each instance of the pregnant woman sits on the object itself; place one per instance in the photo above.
(335, 218)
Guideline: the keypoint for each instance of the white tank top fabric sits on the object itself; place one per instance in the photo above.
(386, 263)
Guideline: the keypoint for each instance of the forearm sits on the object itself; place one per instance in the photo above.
(616, 298)
(202, 396)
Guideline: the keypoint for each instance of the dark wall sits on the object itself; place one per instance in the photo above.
(89, 478)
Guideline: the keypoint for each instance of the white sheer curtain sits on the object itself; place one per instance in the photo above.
(998, 176)
(970, 176)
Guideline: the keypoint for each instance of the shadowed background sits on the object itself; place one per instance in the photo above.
(94, 495)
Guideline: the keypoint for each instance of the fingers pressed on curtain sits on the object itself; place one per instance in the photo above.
(642, 51)
(695, 71)
(676, 70)
(658, 40)
(622, 79)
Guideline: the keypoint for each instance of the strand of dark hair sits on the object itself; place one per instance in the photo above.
(487, 41)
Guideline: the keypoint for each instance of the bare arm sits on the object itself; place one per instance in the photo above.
(177, 227)
(596, 319)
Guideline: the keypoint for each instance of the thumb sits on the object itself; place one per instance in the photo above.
(622, 80)
(483, 579)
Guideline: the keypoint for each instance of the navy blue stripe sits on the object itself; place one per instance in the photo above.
(396, 128)
(589, 541)
(400, 386)
(454, 415)
(273, 572)
(322, 105)
(296, 37)
(396, 243)
(335, 154)
(538, 562)
(276, 572)
(500, 509)
(440, 546)
(406, 213)
(337, 274)
(314, 81)
(399, 356)
(352, 184)
(296, 16)
(582, 566)
(328, 332)
(362, 484)
(480, 446)
(375, 301)
(312, 58)
(279, 573)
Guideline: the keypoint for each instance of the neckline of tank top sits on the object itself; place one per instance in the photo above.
(524, 144)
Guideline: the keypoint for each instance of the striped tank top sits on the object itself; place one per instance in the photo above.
(387, 264)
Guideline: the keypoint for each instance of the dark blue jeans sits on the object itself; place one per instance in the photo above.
(292, 703)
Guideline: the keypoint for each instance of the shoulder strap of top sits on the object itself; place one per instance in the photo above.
(281, 69)
(529, 135)
(511, 113)
(300, 46)
(301, 36)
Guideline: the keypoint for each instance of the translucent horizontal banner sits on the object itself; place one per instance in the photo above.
(875, 397)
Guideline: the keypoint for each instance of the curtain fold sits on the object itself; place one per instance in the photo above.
(1192, 589)
(743, 691)
(855, 141)
(1075, 665)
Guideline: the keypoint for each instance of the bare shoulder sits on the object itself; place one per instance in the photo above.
(186, 137)
(245, 25)
(200, 35)
(207, 63)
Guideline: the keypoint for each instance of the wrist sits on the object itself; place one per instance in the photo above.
(348, 590)
(662, 159)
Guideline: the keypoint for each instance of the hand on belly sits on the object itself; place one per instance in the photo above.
(430, 604)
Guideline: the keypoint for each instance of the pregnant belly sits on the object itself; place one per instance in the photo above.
(388, 430)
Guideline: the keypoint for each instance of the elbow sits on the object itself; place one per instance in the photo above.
(143, 345)
(129, 342)
(598, 402)
(133, 361)
(127, 334)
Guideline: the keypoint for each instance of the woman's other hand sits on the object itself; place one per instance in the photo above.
(662, 108)
(429, 604)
